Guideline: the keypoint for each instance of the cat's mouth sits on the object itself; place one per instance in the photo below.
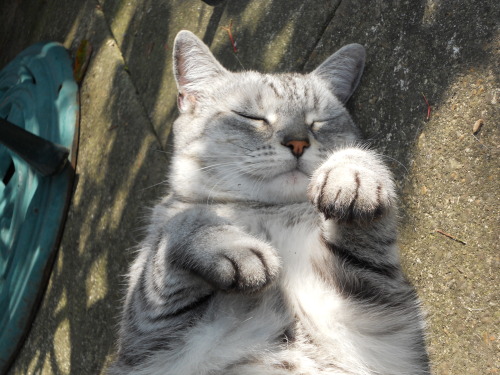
(287, 174)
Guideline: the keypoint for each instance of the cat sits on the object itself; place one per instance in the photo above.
(275, 251)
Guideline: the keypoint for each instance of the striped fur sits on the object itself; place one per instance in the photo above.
(262, 260)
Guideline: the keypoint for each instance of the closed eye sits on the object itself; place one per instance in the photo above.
(323, 121)
(251, 117)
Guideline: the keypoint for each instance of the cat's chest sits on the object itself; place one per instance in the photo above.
(296, 233)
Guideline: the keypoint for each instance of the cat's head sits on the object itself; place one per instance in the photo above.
(253, 136)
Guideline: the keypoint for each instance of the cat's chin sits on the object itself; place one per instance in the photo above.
(292, 178)
(290, 186)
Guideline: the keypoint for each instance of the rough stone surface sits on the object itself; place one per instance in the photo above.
(447, 51)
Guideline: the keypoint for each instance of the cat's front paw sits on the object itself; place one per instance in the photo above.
(241, 264)
(353, 185)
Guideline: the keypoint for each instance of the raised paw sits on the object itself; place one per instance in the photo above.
(353, 185)
(239, 263)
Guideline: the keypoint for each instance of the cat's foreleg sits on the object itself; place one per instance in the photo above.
(355, 192)
(203, 244)
(189, 256)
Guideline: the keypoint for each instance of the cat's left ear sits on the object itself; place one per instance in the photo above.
(343, 70)
(195, 68)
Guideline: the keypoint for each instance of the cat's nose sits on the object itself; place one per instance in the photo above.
(297, 147)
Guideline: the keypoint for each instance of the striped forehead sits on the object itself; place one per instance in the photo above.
(291, 88)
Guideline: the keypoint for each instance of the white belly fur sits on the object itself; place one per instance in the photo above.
(240, 332)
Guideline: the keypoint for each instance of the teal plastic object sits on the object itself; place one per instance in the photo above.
(37, 93)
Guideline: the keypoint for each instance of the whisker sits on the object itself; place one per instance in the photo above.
(152, 186)
(224, 178)
(396, 161)
(217, 165)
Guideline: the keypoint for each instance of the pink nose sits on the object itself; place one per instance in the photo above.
(297, 147)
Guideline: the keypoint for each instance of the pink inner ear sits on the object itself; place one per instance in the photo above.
(185, 102)
(180, 100)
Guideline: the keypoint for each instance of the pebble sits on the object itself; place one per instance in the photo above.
(477, 126)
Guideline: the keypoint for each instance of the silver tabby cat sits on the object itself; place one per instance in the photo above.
(275, 251)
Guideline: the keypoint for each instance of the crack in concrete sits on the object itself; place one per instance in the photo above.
(320, 36)
(100, 7)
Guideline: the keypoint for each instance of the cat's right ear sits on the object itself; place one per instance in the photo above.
(343, 70)
(194, 69)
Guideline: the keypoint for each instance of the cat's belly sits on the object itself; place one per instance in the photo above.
(300, 321)
(317, 308)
